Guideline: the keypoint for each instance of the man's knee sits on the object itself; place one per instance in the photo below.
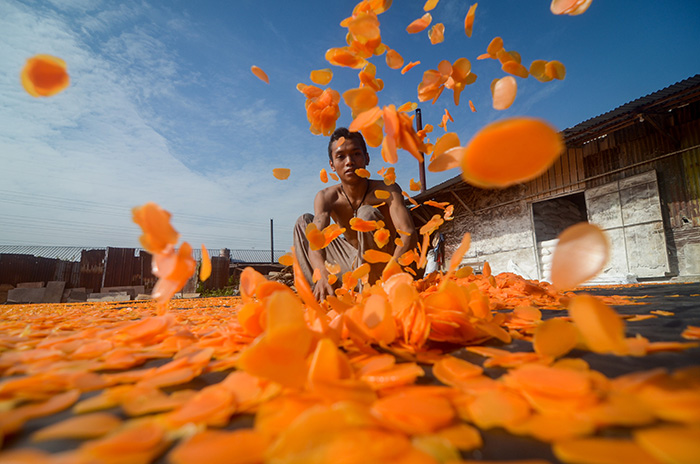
(369, 213)
(303, 221)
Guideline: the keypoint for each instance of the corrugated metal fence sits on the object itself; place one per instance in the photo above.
(109, 267)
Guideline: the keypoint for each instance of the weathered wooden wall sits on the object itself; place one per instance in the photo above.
(659, 140)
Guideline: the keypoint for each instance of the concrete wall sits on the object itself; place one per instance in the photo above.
(502, 236)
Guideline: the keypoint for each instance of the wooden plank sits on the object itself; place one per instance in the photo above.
(566, 174)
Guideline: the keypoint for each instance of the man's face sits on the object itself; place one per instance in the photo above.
(347, 157)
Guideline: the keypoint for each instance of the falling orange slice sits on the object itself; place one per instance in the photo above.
(281, 173)
(580, 254)
(537, 69)
(599, 325)
(321, 76)
(376, 256)
(469, 20)
(449, 159)
(503, 91)
(420, 24)
(555, 70)
(205, 270)
(437, 34)
(409, 66)
(382, 194)
(362, 172)
(430, 5)
(323, 175)
(286, 259)
(44, 76)
(570, 7)
(510, 151)
(260, 74)
(155, 223)
(381, 237)
(554, 337)
(414, 186)
(393, 59)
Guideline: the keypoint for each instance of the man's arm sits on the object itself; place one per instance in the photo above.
(402, 220)
(322, 218)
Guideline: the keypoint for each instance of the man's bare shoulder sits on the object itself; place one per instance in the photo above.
(380, 185)
(329, 192)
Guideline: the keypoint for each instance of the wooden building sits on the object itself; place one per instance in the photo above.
(634, 171)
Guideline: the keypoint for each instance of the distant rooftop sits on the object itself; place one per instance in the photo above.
(673, 96)
(68, 253)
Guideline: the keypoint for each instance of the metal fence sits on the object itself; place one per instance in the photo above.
(95, 268)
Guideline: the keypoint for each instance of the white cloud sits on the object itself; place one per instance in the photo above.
(100, 147)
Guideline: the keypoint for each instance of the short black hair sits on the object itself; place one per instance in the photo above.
(344, 132)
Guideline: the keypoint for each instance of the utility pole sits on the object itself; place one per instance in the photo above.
(272, 244)
(421, 164)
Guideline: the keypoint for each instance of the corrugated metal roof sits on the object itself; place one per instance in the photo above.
(661, 100)
(66, 253)
(664, 99)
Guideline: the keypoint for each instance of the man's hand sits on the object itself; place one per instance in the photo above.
(322, 289)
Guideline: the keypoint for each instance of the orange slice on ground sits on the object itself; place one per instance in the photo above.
(221, 447)
(602, 451)
(79, 427)
(670, 443)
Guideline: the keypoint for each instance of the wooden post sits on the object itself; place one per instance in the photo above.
(272, 244)
(421, 164)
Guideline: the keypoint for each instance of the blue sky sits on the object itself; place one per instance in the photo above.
(162, 105)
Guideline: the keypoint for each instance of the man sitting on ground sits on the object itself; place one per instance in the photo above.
(353, 197)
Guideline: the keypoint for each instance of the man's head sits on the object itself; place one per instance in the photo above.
(347, 152)
(347, 135)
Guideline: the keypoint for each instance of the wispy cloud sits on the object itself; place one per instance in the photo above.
(126, 132)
